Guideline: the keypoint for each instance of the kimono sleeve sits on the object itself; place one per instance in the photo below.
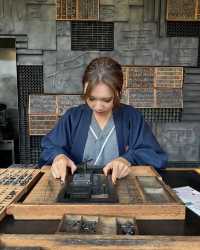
(143, 147)
(57, 141)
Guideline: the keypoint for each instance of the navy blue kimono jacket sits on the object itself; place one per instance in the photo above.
(136, 143)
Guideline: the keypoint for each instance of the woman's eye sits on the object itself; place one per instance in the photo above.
(108, 100)
(91, 99)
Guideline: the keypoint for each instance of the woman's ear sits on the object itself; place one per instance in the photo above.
(85, 87)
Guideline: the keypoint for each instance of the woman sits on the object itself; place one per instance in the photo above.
(101, 131)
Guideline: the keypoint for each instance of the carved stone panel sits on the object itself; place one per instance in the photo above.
(121, 10)
(136, 2)
(34, 18)
(107, 12)
(180, 140)
(130, 38)
(149, 10)
(63, 71)
(141, 45)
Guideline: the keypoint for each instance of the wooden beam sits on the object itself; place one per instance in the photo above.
(151, 211)
(90, 242)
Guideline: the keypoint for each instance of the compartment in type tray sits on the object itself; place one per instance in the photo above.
(102, 225)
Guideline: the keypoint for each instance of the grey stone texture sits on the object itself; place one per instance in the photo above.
(8, 77)
(139, 39)
(180, 140)
(36, 19)
(63, 70)
(141, 44)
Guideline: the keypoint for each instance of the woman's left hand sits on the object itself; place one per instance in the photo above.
(120, 168)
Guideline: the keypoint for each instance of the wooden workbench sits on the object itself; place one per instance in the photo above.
(41, 201)
(38, 203)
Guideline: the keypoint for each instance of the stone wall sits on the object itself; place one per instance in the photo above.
(140, 38)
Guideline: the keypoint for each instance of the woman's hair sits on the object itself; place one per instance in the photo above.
(103, 70)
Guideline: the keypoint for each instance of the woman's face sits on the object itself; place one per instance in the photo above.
(101, 99)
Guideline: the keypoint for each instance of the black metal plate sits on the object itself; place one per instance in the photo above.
(91, 186)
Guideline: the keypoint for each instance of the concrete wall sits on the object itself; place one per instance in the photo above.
(140, 38)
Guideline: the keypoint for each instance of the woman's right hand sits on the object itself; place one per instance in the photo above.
(59, 166)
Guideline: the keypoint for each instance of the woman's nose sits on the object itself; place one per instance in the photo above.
(98, 104)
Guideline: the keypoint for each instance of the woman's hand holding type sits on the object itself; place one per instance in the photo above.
(59, 166)
(120, 168)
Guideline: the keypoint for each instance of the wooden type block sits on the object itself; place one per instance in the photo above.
(182, 10)
(65, 102)
(169, 77)
(140, 77)
(88, 10)
(141, 98)
(41, 125)
(149, 77)
(70, 7)
(77, 9)
(17, 176)
(42, 105)
(14, 182)
(8, 194)
(169, 98)
(45, 110)
(58, 9)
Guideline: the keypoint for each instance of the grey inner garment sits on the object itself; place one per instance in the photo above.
(101, 145)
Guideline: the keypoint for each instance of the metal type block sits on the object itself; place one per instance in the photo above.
(93, 35)
(183, 29)
(87, 185)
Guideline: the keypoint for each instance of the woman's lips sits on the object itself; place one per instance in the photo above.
(99, 111)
